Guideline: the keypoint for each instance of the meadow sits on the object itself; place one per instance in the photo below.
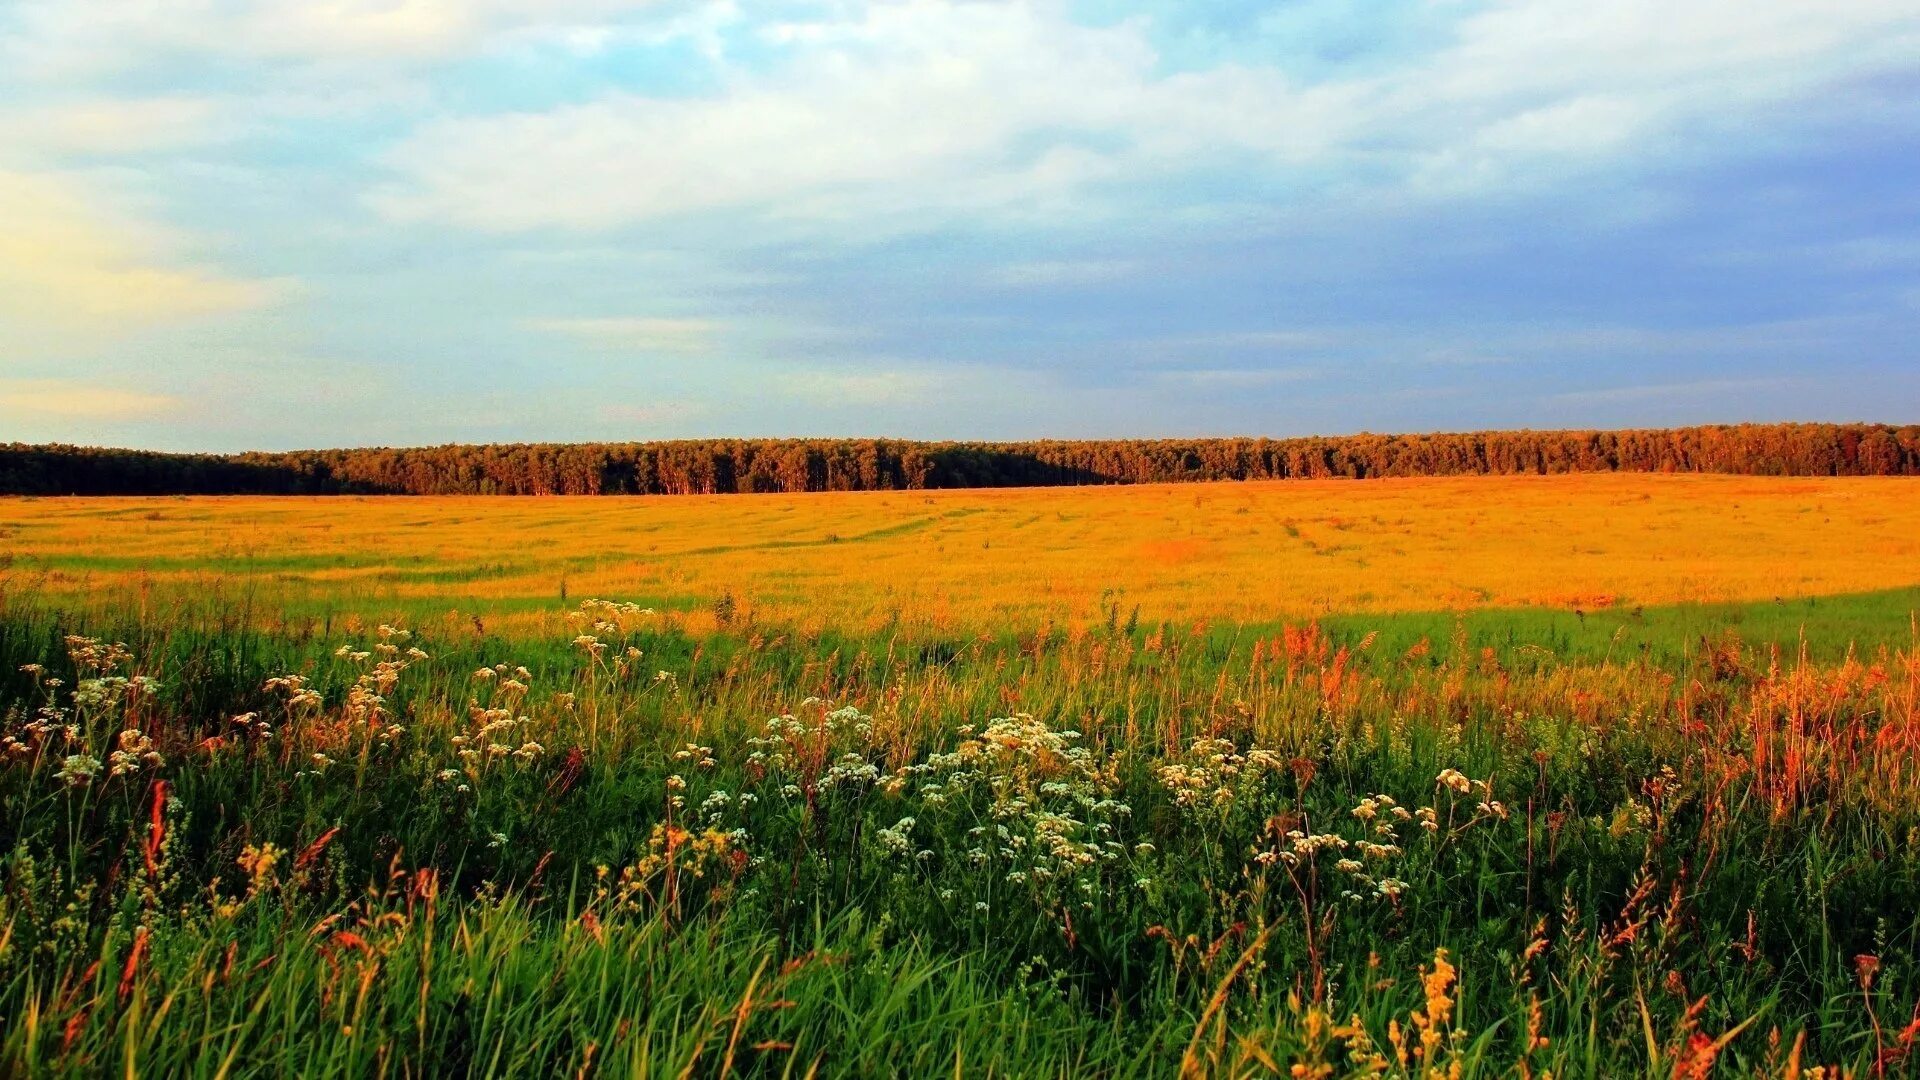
(966, 561)
(1587, 776)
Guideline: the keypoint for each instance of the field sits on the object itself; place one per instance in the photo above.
(966, 561)
(1586, 776)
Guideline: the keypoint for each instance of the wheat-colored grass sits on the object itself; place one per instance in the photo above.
(968, 559)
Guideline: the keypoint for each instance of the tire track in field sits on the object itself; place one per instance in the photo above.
(885, 533)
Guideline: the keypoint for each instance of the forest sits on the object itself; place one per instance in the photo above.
(728, 466)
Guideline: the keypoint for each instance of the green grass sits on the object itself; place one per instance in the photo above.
(1650, 848)
(1829, 627)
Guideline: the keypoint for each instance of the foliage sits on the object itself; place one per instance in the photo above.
(234, 851)
(722, 466)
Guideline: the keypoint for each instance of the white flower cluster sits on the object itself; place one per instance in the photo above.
(1460, 784)
(1050, 817)
(75, 732)
(609, 616)
(1213, 772)
(802, 749)
(134, 750)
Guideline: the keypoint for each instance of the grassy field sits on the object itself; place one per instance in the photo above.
(1583, 777)
(961, 561)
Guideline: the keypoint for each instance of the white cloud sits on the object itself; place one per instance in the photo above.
(652, 412)
(108, 125)
(1236, 378)
(912, 112)
(1541, 84)
(834, 387)
(67, 399)
(69, 262)
(52, 39)
(1063, 272)
(1257, 340)
(909, 105)
(645, 335)
(1803, 335)
(1729, 390)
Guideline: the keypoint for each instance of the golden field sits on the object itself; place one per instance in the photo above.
(346, 771)
(967, 558)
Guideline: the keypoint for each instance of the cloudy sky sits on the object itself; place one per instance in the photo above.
(284, 223)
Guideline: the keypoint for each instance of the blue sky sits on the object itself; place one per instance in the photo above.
(229, 224)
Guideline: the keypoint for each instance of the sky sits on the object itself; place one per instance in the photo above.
(276, 224)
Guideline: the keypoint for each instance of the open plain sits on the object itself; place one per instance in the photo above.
(965, 561)
(1583, 776)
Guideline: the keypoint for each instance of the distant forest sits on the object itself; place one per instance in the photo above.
(724, 466)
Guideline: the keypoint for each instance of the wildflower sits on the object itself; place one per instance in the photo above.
(78, 770)
(896, 840)
(98, 693)
(1454, 780)
(259, 861)
(1311, 845)
(135, 750)
(702, 755)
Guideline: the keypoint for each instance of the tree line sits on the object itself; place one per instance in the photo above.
(726, 466)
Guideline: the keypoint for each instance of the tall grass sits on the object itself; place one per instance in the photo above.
(628, 849)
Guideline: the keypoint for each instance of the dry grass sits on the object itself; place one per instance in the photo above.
(964, 559)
